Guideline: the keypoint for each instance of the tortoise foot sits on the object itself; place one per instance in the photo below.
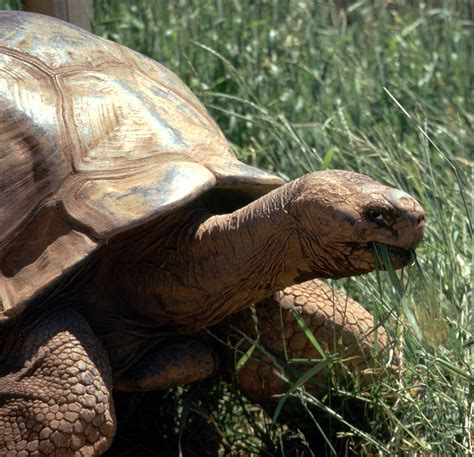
(181, 360)
(55, 390)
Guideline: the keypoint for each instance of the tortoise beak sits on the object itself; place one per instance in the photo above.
(410, 225)
(398, 257)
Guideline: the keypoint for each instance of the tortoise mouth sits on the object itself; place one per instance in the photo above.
(398, 257)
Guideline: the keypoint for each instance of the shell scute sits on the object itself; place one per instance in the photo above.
(57, 45)
(106, 206)
(120, 117)
(34, 159)
(45, 249)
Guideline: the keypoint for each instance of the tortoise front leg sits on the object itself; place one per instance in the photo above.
(339, 324)
(55, 389)
(176, 361)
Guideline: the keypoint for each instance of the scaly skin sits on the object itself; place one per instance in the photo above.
(339, 324)
(55, 391)
(56, 399)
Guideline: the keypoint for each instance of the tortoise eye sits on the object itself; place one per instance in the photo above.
(376, 216)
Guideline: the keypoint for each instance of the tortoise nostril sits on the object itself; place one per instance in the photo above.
(421, 218)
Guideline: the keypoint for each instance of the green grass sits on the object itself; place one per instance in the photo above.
(299, 86)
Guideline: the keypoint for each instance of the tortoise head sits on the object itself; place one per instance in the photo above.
(341, 215)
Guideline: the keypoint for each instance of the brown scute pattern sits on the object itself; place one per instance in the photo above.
(45, 249)
(339, 324)
(122, 118)
(31, 158)
(55, 391)
(45, 39)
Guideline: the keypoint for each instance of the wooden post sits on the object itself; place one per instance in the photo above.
(78, 12)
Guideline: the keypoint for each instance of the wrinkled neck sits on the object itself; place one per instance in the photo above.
(245, 250)
(195, 268)
(243, 257)
(231, 261)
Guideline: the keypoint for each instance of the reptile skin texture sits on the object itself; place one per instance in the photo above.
(55, 391)
(339, 324)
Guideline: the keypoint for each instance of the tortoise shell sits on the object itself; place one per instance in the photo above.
(94, 139)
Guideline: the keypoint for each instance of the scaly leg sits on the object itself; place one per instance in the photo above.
(339, 324)
(55, 389)
(180, 360)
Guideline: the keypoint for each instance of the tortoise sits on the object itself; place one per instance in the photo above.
(128, 227)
